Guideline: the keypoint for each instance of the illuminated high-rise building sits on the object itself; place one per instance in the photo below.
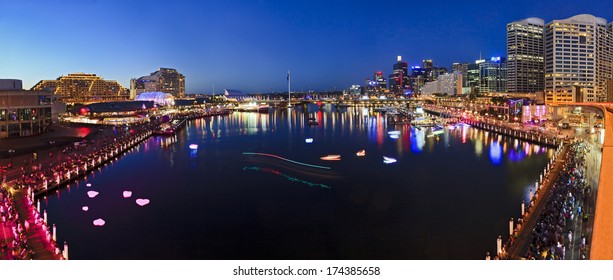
(525, 51)
(578, 52)
(473, 77)
(83, 88)
(166, 80)
(493, 75)
(399, 79)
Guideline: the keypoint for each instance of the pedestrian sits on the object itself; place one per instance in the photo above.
(570, 239)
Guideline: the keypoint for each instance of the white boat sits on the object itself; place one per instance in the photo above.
(331, 157)
(247, 107)
(388, 160)
(361, 153)
(308, 140)
(193, 146)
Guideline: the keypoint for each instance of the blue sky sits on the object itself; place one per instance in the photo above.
(250, 45)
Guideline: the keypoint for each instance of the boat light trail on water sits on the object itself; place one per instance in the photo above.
(288, 160)
(290, 178)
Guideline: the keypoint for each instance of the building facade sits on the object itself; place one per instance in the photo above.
(525, 55)
(463, 69)
(83, 88)
(493, 75)
(578, 52)
(166, 80)
(449, 84)
(24, 112)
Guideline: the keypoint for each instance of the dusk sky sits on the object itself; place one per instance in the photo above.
(250, 45)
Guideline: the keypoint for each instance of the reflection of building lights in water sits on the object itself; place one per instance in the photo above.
(288, 177)
(495, 153)
(418, 140)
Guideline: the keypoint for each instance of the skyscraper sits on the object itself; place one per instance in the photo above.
(493, 75)
(525, 51)
(578, 52)
(473, 78)
(399, 79)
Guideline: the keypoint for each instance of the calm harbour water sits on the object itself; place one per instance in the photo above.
(443, 199)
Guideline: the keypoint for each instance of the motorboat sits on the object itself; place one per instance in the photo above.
(308, 140)
(361, 153)
(331, 157)
(193, 146)
(388, 160)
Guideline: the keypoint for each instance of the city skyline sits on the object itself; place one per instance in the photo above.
(250, 46)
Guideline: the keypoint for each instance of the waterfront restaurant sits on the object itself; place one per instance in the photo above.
(111, 113)
(24, 112)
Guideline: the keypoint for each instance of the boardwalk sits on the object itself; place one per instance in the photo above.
(521, 243)
(37, 239)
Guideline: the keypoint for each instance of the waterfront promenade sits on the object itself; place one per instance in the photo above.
(25, 231)
(519, 242)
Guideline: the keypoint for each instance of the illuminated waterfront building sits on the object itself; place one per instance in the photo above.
(166, 80)
(25, 112)
(525, 51)
(449, 84)
(83, 88)
(577, 53)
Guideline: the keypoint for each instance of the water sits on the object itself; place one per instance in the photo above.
(443, 199)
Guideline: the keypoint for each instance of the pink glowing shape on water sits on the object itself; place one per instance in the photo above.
(92, 194)
(142, 201)
(127, 194)
(99, 222)
(88, 184)
(85, 208)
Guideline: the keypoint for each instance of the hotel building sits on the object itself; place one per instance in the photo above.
(577, 54)
(166, 80)
(83, 88)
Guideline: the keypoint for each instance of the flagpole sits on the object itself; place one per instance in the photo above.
(289, 92)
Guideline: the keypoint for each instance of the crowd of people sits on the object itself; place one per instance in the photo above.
(553, 233)
(38, 176)
(13, 245)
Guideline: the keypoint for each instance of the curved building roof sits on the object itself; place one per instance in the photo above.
(157, 97)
